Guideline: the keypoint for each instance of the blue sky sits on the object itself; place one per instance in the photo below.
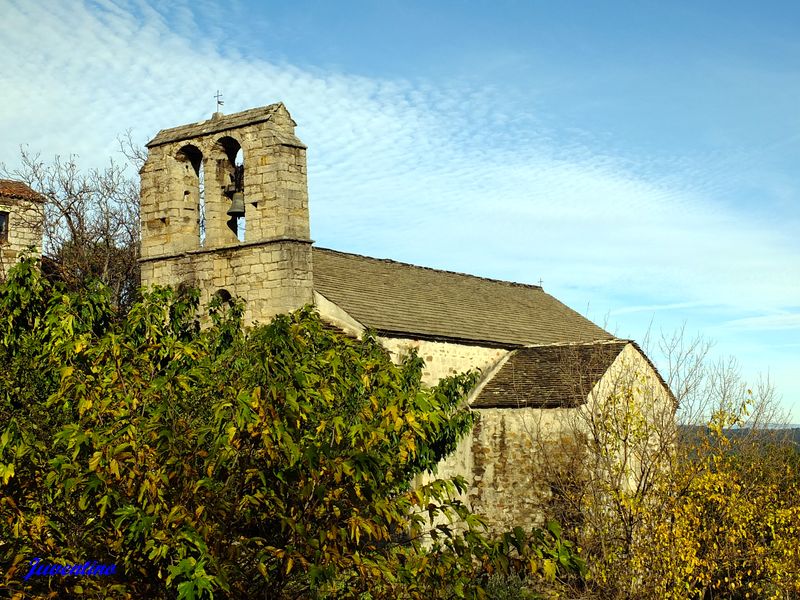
(641, 158)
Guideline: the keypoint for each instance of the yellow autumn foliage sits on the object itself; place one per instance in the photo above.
(680, 513)
(731, 525)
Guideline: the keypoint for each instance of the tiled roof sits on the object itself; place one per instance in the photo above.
(549, 376)
(398, 299)
(16, 189)
(214, 125)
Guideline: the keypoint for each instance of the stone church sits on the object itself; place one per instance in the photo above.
(224, 208)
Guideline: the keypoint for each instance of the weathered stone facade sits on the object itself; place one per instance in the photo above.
(505, 453)
(443, 359)
(273, 276)
(189, 237)
(513, 448)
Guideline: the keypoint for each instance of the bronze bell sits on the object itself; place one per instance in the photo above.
(237, 205)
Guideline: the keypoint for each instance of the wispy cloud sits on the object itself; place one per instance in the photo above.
(778, 322)
(439, 173)
(652, 308)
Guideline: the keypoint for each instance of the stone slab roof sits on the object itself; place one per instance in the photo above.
(214, 125)
(403, 300)
(560, 375)
(18, 190)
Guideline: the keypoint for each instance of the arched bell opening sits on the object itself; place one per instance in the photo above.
(231, 172)
(193, 178)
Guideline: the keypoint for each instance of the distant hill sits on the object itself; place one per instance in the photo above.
(789, 434)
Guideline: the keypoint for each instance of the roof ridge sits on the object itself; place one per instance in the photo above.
(598, 341)
(215, 124)
(423, 268)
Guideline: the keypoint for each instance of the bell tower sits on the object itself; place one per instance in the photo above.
(224, 207)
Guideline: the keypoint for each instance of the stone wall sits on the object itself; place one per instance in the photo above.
(445, 358)
(518, 460)
(651, 415)
(507, 449)
(273, 276)
(441, 360)
(632, 371)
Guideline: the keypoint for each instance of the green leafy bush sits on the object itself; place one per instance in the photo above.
(270, 462)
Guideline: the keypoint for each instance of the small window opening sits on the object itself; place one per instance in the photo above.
(224, 297)
(3, 227)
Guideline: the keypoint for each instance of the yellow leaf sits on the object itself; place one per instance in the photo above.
(533, 565)
(94, 461)
(7, 472)
(549, 568)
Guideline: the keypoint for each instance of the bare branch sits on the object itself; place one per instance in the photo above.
(90, 220)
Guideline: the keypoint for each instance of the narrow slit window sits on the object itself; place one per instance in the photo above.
(241, 224)
(3, 227)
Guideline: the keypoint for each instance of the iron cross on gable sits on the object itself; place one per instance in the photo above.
(218, 96)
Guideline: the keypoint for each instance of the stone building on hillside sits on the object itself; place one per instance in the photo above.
(21, 217)
(224, 208)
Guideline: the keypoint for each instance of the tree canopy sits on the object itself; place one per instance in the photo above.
(274, 462)
(90, 219)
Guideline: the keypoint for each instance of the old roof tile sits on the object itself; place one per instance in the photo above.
(558, 375)
(399, 299)
(16, 189)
